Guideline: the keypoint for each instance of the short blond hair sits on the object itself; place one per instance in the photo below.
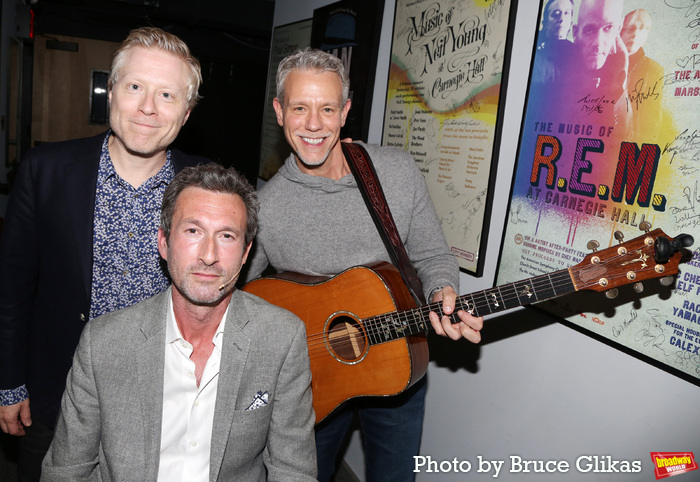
(155, 38)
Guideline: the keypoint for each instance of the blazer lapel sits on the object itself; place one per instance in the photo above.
(234, 355)
(150, 364)
(81, 182)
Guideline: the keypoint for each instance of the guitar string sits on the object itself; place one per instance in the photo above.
(371, 328)
(409, 314)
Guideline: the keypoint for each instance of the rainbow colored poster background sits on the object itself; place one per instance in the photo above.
(611, 139)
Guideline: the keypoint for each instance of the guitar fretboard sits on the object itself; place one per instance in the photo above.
(391, 326)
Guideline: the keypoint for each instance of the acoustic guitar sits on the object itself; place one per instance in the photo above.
(367, 338)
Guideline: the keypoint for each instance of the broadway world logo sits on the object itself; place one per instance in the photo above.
(667, 464)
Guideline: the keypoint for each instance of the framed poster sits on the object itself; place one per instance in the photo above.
(445, 97)
(609, 141)
(350, 30)
(274, 148)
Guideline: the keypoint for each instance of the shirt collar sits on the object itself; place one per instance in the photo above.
(106, 168)
(172, 332)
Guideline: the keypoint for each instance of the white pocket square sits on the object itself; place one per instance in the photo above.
(260, 400)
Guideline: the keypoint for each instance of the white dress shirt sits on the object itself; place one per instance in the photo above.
(188, 410)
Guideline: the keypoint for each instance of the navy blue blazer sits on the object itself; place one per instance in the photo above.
(46, 267)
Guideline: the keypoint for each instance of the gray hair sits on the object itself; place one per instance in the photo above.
(155, 38)
(211, 177)
(312, 60)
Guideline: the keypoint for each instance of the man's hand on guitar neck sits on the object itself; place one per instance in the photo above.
(469, 327)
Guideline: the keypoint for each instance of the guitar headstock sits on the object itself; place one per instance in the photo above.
(651, 255)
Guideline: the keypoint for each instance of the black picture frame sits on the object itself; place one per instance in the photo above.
(608, 150)
(453, 133)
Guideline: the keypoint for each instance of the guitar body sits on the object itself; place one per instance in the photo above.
(344, 363)
(366, 336)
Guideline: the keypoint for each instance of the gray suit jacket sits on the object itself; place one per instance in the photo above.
(110, 422)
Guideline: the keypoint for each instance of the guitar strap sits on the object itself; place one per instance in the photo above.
(368, 182)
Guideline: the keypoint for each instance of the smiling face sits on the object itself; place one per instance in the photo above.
(148, 103)
(206, 247)
(312, 115)
(598, 25)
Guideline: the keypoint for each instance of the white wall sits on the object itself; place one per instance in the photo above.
(534, 388)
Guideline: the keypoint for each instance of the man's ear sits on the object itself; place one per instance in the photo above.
(278, 111)
(245, 255)
(162, 244)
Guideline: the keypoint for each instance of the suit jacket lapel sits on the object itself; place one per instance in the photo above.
(234, 355)
(81, 181)
(150, 365)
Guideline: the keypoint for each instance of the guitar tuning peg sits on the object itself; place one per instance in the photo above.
(645, 226)
(611, 294)
(666, 281)
(619, 236)
(682, 241)
(664, 249)
(638, 287)
(593, 245)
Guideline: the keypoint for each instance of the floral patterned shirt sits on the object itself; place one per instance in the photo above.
(127, 267)
(126, 264)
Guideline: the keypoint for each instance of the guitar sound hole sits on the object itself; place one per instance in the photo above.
(346, 338)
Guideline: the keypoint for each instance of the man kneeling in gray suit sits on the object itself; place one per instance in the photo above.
(202, 381)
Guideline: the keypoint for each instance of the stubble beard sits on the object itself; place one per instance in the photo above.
(313, 164)
(196, 293)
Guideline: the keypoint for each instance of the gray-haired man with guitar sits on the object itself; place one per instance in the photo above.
(313, 221)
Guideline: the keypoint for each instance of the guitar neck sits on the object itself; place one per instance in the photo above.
(391, 326)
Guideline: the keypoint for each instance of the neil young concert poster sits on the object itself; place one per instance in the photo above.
(449, 60)
(610, 142)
